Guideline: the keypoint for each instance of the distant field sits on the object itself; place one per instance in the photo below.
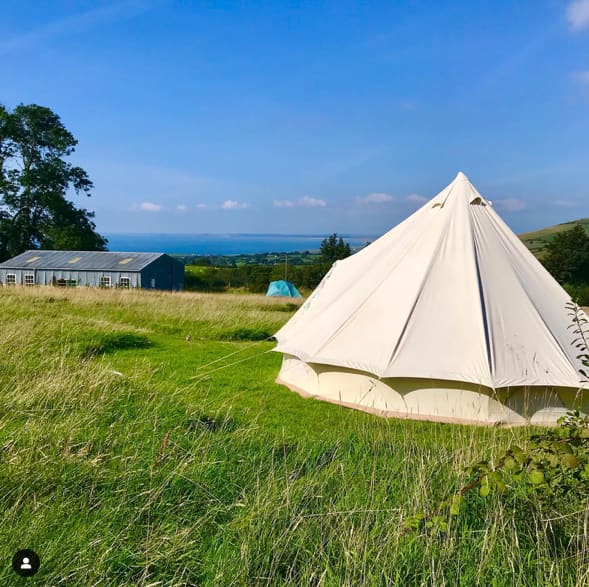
(538, 239)
(131, 456)
(300, 258)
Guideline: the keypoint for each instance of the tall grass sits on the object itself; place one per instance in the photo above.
(124, 461)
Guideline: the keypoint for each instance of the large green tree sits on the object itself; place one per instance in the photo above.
(35, 181)
(567, 256)
(333, 248)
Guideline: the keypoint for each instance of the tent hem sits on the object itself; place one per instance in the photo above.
(401, 415)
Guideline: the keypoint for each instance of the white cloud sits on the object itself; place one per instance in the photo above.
(376, 198)
(305, 202)
(233, 205)
(182, 208)
(565, 203)
(511, 205)
(380, 198)
(416, 199)
(582, 77)
(201, 206)
(407, 105)
(150, 207)
(75, 24)
(310, 202)
(577, 13)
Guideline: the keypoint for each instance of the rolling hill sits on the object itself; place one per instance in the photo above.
(538, 239)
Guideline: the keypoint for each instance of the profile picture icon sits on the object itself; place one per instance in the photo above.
(25, 563)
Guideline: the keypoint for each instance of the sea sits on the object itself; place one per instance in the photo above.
(223, 244)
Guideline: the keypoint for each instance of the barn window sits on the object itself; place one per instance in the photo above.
(61, 282)
(29, 279)
(125, 282)
(10, 279)
(105, 281)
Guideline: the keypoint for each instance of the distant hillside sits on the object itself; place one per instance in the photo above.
(538, 239)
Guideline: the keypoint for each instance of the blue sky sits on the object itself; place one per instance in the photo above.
(309, 117)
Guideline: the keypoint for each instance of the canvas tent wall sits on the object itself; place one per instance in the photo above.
(446, 317)
(283, 288)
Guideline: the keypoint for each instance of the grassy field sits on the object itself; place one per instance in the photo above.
(131, 456)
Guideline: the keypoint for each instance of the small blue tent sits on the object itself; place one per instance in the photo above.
(283, 288)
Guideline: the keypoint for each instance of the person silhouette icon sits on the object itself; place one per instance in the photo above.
(26, 562)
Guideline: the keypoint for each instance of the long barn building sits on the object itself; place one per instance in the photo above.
(94, 269)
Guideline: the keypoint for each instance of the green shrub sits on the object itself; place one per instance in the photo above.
(579, 293)
(115, 341)
(246, 334)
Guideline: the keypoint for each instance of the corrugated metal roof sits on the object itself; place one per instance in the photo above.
(81, 260)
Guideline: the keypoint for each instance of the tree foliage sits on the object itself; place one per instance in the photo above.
(35, 179)
(567, 256)
(254, 278)
(333, 249)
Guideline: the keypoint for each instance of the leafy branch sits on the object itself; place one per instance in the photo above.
(554, 463)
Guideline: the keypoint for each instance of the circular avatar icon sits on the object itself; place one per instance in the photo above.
(26, 562)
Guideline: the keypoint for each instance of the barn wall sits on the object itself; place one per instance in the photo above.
(83, 278)
(19, 273)
(164, 273)
(177, 275)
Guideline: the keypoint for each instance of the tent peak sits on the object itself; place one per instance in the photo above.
(461, 175)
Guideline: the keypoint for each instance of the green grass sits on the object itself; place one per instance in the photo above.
(131, 456)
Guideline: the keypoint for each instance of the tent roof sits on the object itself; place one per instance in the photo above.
(450, 293)
(281, 285)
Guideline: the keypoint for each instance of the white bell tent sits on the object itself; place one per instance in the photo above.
(446, 317)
